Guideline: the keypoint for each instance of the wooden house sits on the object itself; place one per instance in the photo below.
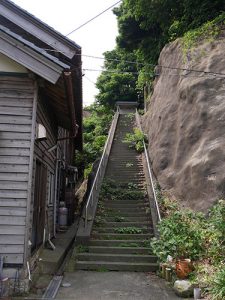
(40, 128)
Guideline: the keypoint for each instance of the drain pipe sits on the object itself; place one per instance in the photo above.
(70, 93)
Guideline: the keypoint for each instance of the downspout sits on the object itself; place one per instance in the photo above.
(69, 88)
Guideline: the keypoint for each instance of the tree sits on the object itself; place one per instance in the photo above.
(118, 81)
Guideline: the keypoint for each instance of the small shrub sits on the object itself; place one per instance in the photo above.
(136, 139)
(128, 230)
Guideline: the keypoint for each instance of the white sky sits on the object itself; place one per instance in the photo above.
(95, 38)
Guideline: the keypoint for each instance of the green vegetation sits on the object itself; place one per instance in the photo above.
(102, 269)
(207, 32)
(145, 26)
(135, 245)
(188, 234)
(112, 191)
(82, 249)
(95, 126)
(135, 140)
(128, 230)
(119, 219)
(118, 81)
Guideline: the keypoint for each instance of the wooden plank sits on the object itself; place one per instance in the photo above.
(19, 120)
(14, 168)
(12, 249)
(15, 128)
(14, 176)
(13, 202)
(11, 230)
(11, 239)
(13, 185)
(15, 151)
(14, 144)
(13, 98)
(13, 194)
(14, 160)
(15, 136)
(16, 111)
(12, 211)
(14, 259)
(12, 220)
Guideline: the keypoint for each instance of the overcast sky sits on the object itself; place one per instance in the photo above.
(95, 38)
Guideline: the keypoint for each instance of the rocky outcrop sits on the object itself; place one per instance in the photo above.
(185, 124)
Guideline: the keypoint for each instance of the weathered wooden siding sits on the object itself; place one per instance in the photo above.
(41, 153)
(16, 113)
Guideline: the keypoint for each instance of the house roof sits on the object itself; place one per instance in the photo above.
(30, 56)
(47, 53)
(37, 28)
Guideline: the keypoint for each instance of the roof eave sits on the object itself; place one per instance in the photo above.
(38, 29)
(29, 58)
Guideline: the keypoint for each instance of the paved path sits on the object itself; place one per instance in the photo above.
(87, 285)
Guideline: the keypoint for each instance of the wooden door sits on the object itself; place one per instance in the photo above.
(40, 197)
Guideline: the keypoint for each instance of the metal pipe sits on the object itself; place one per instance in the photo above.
(69, 86)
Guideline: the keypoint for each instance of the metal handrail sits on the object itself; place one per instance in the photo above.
(101, 166)
(149, 170)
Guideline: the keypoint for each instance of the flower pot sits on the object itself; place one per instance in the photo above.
(183, 268)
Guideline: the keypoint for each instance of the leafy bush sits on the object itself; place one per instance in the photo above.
(95, 127)
(189, 234)
(180, 236)
(136, 139)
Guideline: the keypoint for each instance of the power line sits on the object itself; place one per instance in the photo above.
(203, 74)
(89, 79)
(143, 64)
(94, 18)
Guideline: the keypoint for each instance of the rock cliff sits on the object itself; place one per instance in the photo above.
(185, 123)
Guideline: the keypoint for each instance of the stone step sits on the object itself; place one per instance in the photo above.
(125, 213)
(119, 243)
(116, 266)
(131, 202)
(109, 257)
(120, 250)
(116, 229)
(129, 177)
(128, 218)
(122, 206)
(127, 224)
(121, 236)
(127, 210)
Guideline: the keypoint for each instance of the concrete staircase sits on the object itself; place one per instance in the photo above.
(122, 229)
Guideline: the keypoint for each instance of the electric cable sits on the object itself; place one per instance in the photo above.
(93, 18)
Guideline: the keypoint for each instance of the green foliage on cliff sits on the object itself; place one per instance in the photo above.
(207, 32)
(145, 26)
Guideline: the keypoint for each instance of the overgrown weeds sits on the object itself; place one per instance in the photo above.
(135, 140)
(188, 234)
